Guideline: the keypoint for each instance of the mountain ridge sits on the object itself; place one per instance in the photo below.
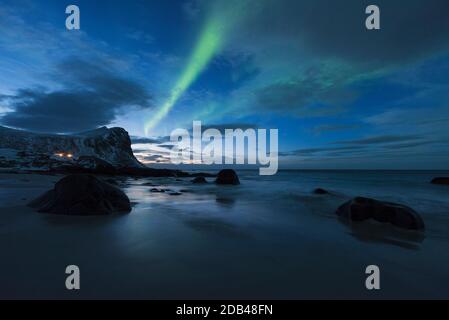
(112, 145)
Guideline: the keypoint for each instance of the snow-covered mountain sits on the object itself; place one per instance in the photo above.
(103, 146)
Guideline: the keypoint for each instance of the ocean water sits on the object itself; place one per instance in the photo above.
(269, 237)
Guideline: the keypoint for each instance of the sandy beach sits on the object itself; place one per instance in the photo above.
(215, 242)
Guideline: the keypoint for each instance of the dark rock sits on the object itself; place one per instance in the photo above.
(320, 191)
(112, 181)
(8, 170)
(361, 209)
(82, 194)
(175, 193)
(7, 163)
(440, 180)
(180, 174)
(199, 180)
(227, 176)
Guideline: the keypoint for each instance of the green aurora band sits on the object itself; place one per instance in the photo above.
(209, 43)
(224, 17)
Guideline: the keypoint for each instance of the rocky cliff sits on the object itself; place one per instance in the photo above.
(35, 151)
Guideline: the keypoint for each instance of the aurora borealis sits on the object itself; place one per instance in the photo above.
(220, 21)
(208, 45)
(341, 96)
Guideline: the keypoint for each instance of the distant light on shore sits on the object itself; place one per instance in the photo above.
(64, 155)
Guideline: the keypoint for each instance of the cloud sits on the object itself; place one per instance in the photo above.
(375, 152)
(152, 140)
(313, 90)
(334, 127)
(140, 36)
(367, 147)
(380, 148)
(380, 139)
(191, 9)
(154, 158)
(408, 145)
(311, 95)
(315, 151)
(167, 146)
(232, 126)
(91, 96)
(152, 153)
(337, 29)
(410, 117)
(33, 55)
(426, 122)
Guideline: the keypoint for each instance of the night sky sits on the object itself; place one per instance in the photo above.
(340, 95)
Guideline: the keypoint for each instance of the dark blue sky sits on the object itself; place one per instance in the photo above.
(341, 96)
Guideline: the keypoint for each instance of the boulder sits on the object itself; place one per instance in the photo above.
(320, 191)
(84, 195)
(199, 180)
(361, 209)
(227, 176)
(112, 181)
(441, 180)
